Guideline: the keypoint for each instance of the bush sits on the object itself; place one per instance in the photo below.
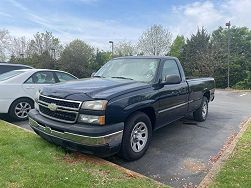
(243, 85)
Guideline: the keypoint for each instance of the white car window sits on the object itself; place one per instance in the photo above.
(43, 77)
(62, 77)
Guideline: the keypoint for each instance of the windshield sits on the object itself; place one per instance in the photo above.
(8, 75)
(142, 70)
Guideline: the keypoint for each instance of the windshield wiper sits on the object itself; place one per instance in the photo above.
(121, 77)
(98, 76)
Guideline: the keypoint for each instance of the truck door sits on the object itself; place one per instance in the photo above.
(173, 98)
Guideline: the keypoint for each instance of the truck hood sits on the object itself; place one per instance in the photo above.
(92, 88)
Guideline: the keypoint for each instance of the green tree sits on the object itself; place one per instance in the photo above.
(197, 55)
(101, 58)
(43, 61)
(77, 58)
(177, 47)
(240, 56)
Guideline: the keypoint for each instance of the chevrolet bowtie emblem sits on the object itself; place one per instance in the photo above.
(52, 106)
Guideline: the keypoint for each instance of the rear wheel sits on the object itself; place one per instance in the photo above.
(202, 112)
(137, 136)
(20, 108)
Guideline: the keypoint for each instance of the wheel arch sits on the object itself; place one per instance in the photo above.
(207, 95)
(149, 111)
(29, 98)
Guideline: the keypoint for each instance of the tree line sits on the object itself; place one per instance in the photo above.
(203, 54)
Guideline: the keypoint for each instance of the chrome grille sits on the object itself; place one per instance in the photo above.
(60, 102)
(66, 111)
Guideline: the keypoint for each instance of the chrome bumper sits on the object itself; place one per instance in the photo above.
(77, 138)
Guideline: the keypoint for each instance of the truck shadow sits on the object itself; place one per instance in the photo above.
(170, 134)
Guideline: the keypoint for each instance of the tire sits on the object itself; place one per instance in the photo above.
(201, 113)
(20, 108)
(136, 137)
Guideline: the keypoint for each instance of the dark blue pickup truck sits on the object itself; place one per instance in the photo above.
(118, 108)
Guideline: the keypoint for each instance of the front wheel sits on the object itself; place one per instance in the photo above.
(137, 136)
(201, 113)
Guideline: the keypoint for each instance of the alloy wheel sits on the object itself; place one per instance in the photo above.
(22, 109)
(139, 137)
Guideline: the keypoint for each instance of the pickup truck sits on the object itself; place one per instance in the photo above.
(119, 107)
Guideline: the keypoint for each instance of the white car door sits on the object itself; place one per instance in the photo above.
(37, 81)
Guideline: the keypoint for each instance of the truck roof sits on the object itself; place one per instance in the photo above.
(146, 57)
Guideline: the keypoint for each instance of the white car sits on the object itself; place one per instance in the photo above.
(18, 89)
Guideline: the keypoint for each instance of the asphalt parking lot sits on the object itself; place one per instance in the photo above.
(180, 154)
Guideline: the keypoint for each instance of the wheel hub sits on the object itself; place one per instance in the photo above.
(204, 110)
(22, 109)
(139, 137)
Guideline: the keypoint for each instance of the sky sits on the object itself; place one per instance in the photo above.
(98, 21)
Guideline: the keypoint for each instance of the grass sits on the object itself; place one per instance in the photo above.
(236, 172)
(26, 160)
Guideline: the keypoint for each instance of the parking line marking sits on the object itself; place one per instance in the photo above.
(243, 94)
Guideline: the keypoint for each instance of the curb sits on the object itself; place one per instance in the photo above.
(128, 172)
(208, 179)
(233, 90)
(13, 125)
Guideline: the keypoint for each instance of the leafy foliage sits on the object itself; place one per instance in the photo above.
(124, 49)
(101, 58)
(155, 41)
(44, 42)
(77, 58)
(4, 43)
(37, 52)
(197, 55)
(240, 55)
(177, 47)
(206, 55)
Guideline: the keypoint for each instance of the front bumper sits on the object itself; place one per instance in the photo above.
(98, 140)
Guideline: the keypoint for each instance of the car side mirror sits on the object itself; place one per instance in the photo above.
(93, 74)
(171, 79)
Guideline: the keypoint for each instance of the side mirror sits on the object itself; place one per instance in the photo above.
(171, 79)
(93, 74)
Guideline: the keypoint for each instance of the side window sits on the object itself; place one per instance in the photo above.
(62, 77)
(170, 68)
(43, 77)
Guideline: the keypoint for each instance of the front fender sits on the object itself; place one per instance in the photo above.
(137, 106)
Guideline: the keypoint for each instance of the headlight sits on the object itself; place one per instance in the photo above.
(94, 105)
(92, 119)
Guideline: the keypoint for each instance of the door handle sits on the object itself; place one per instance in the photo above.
(29, 87)
(175, 92)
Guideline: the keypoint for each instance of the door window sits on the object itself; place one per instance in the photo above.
(43, 77)
(170, 68)
(62, 77)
